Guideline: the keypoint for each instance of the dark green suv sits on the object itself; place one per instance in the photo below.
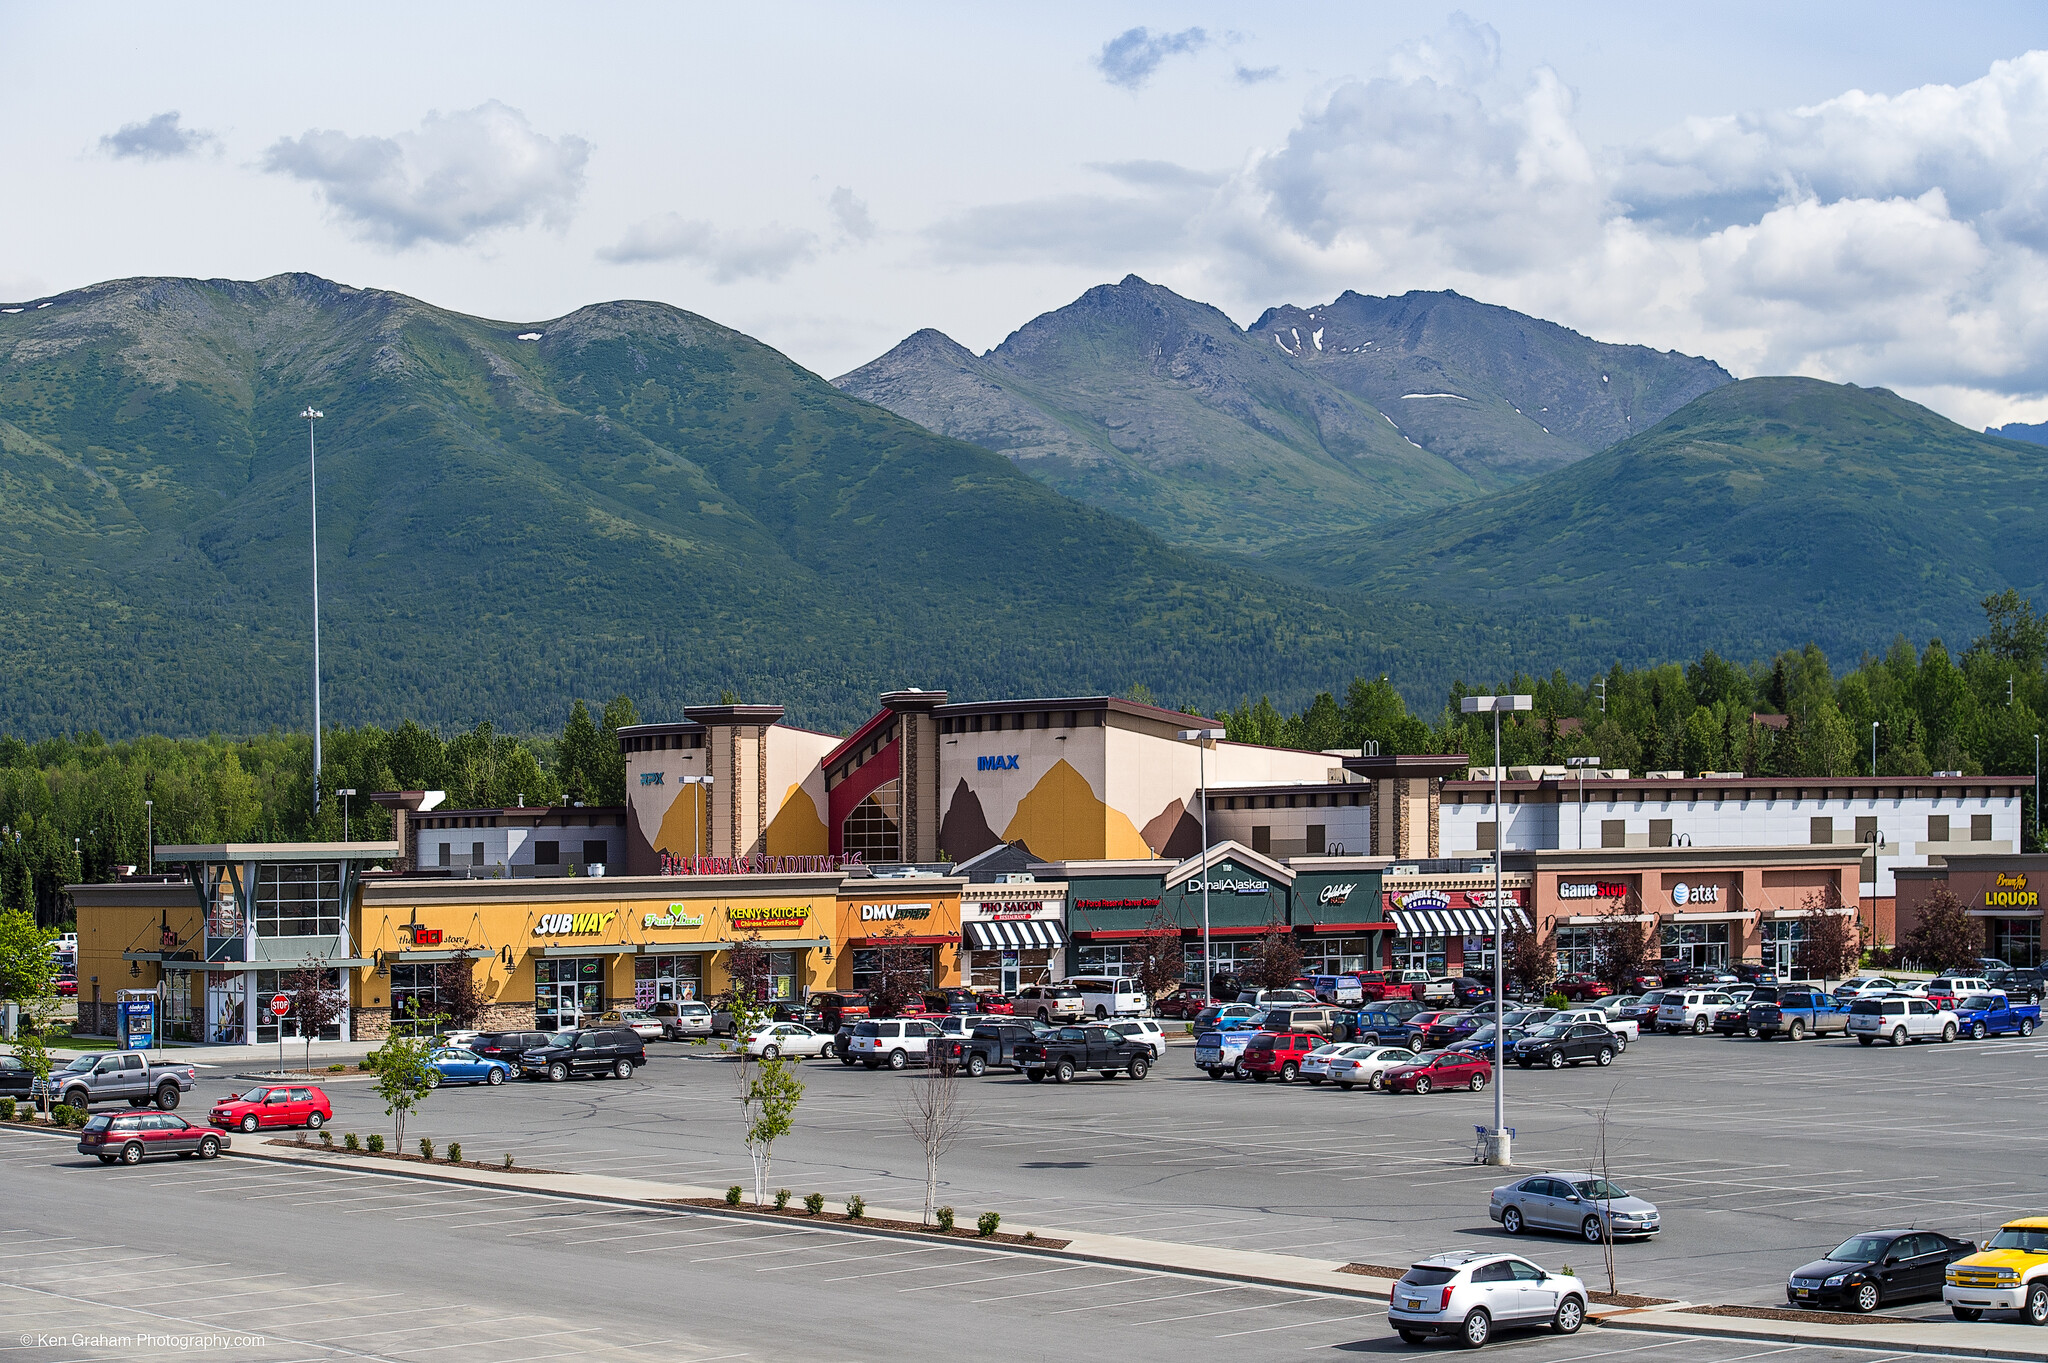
(598, 1051)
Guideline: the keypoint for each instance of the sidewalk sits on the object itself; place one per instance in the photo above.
(1980, 1340)
(236, 1059)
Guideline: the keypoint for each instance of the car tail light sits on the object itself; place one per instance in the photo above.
(1444, 1302)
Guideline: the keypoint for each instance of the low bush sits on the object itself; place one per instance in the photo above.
(455, 1152)
(946, 1220)
(376, 1144)
(66, 1115)
(349, 1141)
(987, 1222)
(508, 1159)
(781, 1198)
(336, 1068)
(426, 1148)
(1557, 1001)
(856, 1207)
(733, 1195)
(327, 1138)
(6, 1109)
(1031, 1235)
(814, 1203)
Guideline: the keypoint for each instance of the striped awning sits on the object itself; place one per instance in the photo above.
(1454, 922)
(1033, 934)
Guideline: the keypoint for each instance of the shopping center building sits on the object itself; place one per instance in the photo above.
(2001, 891)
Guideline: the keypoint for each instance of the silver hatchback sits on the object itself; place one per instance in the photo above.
(1578, 1204)
(1470, 1294)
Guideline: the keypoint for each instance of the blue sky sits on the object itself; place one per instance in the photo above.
(1851, 191)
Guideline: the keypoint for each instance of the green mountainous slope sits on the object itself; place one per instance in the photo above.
(1762, 514)
(1502, 395)
(1141, 402)
(628, 499)
(1317, 420)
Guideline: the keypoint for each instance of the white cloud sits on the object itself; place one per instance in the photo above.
(1130, 58)
(157, 139)
(760, 253)
(458, 176)
(851, 214)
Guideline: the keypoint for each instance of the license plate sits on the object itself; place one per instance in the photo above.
(1414, 1303)
(1805, 1291)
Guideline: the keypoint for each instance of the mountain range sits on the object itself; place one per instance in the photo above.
(1315, 420)
(628, 499)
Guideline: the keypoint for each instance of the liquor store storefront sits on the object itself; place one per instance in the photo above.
(2003, 893)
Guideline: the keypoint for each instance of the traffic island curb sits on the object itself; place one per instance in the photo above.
(1887, 1335)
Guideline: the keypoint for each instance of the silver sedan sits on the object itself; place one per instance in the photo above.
(1579, 1204)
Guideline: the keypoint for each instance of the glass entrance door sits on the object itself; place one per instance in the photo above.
(1781, 944)
(1012, 975)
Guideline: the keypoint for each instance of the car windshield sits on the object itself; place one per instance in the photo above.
(1977, 1001)
(2021, 1238)
(83, 1063)
(1598, 1188)
(1554, 1030)
(254, 1095)
(1864, 1249)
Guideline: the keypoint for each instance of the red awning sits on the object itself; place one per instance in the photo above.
(1234, 932)
(947, 939)
(1110, 936)
(1352, 927)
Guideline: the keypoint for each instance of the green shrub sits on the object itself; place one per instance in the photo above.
(376, 1143)
(987, 1222)
(733, 1195)
(1558, 1001)
(814, 1203)
(349, 1141)
(326, 1138)
(371, 1061)
(426, 1148)
(781, 1198)
(1031, 1235)
(508, 1159)
(6, 1109)
(946, 1220)
(63, 1114)
(455, 1152)
(336, 1068)
(856, 1207)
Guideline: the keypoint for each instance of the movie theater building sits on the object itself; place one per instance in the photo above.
(725, 781)
(2002, 891)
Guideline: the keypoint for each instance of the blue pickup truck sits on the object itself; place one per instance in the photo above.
(1982, 1015)
(1799, 1012)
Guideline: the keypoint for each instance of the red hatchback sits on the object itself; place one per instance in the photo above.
(1444, 1070)
(273, 1105)
(1281, 1053)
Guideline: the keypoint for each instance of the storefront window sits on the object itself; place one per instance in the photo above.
(270, 983)
(415, 993)
(225, 994)
(1782, 937)
(1576, 952)
(1107, 960)
(1337, 955)
(781, 975)
(1232, 958)
(567, 993)
(298, 901)
(667, 979)
(873, 829)
(2016, 941)
(867, 964)
(1420, 953)
(1008, 970)
(1478, 955)
(1701, 945)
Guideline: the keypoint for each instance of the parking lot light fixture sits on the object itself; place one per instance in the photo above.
(1498, 1151)
(1204, 739)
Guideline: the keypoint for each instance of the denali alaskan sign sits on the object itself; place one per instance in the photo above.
(1601, 889)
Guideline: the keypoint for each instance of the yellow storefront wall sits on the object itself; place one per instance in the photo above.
(123, 918)
(873, 911)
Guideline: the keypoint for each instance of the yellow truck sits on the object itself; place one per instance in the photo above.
(2011, 1274)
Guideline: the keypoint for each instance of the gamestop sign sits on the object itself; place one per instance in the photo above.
(1592, 889)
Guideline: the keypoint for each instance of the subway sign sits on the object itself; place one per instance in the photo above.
(572, 924)
(2012, 893)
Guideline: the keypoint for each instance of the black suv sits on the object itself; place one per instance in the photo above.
(995, 1043)
(1558, 1044)
(615, 1051)
(2020, 986)
(507, 1046)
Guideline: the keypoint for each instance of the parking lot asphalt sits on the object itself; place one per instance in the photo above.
(1762, 1155)
(276, 1262)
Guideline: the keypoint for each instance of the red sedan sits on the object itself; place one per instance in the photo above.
(1582, 988)
(273, 1105)
(1444, 1070)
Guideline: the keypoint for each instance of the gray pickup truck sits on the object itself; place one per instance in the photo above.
(120, 1076)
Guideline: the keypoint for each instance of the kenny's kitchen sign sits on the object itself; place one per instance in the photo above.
(779, 916)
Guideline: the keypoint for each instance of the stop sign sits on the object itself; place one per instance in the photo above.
(280, 1004)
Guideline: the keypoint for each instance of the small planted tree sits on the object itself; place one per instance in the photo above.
(1621, 950)
(1162, 957)
(1277, 957)
(769, 1105)
(1529, 958)
(458, 993)
(1833, 945)
(314, 1005)
(1944, 936)
(900, 974)
(404, 1078)
(936, 1109)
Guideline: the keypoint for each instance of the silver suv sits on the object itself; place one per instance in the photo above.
(894, 1042)
(1470, 1293)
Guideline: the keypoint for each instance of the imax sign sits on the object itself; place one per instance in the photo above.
(1004, 763)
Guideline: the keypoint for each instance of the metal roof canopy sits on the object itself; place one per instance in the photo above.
(217, 852)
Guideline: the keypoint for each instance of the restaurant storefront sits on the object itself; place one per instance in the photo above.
(1013, 935)
(1111, 906)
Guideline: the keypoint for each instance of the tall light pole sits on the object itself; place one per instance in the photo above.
(1873, 747)
(2037, 792)
(1495, 705)
(344, 794)
(1581, 763)
(1202, 738)
(149, 837)
(309, 416)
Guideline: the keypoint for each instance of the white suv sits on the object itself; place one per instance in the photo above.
(1865, 987)
(1899, 1020)
(1691, 1009)
(1145, 1030)
(1468, 1294)
(894, 1042)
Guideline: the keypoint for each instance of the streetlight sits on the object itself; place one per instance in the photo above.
(344, 794)
(309, 416)
(1202, 738)
(698, 822)
(1873, 747)
(149, 837)
(1581, 763)
(1496, 706)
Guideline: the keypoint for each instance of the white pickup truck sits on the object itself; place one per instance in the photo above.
(117, 1075)
(1899, 1019)
(1625, 1029)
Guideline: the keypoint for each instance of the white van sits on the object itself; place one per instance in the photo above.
(1107, 996)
